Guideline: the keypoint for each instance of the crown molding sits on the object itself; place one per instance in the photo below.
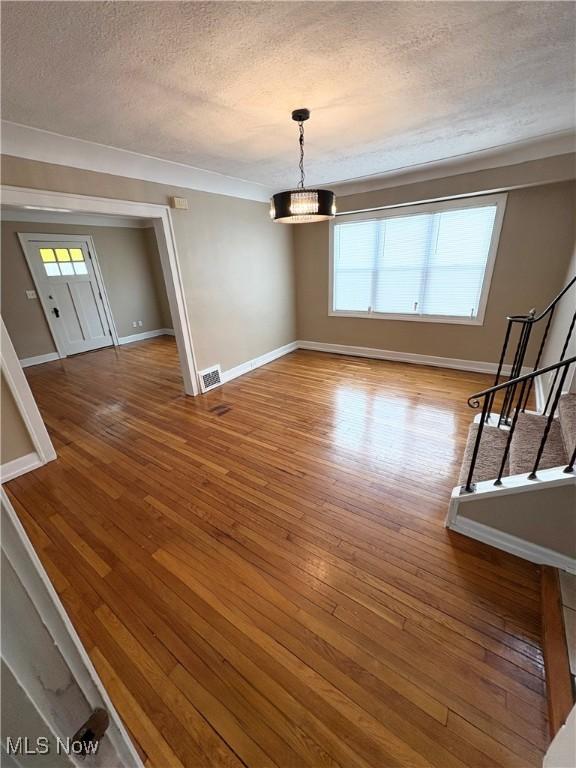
(47, 147)
(44, 146)
(84, 219)
(540, 148)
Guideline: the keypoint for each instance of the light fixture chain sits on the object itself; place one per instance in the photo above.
(301, 141)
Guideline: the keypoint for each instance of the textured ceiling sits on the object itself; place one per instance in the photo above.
(390, 84)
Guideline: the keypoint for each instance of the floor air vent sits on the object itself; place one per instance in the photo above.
(210, 378)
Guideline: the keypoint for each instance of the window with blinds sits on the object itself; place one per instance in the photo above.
(418, 262)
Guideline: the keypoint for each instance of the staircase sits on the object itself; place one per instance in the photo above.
(524, 441)
(517, 482)
(517, 486)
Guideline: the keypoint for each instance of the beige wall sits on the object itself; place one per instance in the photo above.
(535, 173)
(237, 266)
(535, 245)
(559, 329)
(132, 273)
(155, 263)
(15, 440)
(130, 264)
(24, 318)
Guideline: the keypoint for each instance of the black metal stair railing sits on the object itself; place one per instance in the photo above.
(520, 383)
(526, 325)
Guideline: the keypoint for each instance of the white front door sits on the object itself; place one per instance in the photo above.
(64, 274)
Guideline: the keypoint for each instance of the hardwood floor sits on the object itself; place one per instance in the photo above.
(261, 575)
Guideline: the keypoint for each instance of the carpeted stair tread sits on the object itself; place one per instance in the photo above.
(526, 442)
(492, 447)
(567, 419)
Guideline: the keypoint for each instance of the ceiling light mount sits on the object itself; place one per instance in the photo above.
(301, 115)
(302, 205)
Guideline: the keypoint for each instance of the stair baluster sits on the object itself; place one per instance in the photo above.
(517, 410)
(469, 486)
(570, 467)
(500, 363)
(532, 475)
(562, 355)
(539, 355)
(521, 347)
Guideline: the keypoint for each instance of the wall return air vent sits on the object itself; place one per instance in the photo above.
(210, 378)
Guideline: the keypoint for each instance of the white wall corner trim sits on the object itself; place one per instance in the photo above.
(476, 366)
(26, 362)
(145, 335)
(47, 147)
(24, 399)
(250, 365)
(20, 466)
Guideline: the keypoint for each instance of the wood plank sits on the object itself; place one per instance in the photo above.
(158, 750)
(558, 678)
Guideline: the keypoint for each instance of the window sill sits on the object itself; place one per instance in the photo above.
(410, 318)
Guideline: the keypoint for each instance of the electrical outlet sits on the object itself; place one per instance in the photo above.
(140, 323)
(31, 295)
(134, 323)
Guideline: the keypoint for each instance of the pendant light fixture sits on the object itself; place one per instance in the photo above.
(302, 205)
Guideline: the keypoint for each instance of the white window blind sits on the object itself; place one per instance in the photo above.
(424, 263)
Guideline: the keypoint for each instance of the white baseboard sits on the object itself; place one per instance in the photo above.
(512, 544)
(377, 354)
(250, 365)
(20, 466)
(39, 359)
(145, 335)
(539, 394)
(406, 357)
(50, 356)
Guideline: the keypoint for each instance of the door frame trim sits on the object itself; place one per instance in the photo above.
(24, 399)
(27, 238)
(163, 226)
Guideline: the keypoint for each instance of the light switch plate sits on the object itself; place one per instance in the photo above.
(31, 295)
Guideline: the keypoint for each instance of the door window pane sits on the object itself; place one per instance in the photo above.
(52, 270)
(62, 254)
(67, 269)
(47, 254)
(80, 268)
(77, 254)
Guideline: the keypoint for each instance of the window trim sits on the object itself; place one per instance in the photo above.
(476, 201)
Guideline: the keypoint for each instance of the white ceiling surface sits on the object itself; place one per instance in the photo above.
(391, 85)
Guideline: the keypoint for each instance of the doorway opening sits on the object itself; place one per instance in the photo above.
(78, 291)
